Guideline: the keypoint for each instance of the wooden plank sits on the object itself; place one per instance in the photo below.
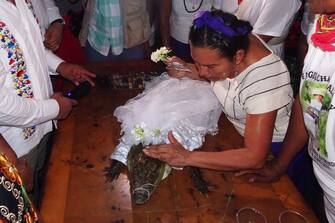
(54, 203)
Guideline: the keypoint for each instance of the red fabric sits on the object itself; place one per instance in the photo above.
(324, 36)
(70, 49)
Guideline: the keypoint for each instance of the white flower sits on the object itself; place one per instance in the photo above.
(139, 132)
(156, 132)
(160, 54)
(142, 134)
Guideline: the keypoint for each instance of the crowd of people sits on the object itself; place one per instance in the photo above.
(236, 46)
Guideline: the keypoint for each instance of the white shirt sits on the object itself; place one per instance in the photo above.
(319, 73)
(46, 11)
(181, 20)
(263, 87)
(307, 20)
(17, 113)
(271, 18)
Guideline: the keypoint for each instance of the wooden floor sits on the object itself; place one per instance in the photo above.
(76, 190)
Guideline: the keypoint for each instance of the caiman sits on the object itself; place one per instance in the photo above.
(145, 173)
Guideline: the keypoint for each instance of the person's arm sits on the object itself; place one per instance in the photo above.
(72, 72)
(324, 7)
(266, 38)
(257, 142)
(53, 61)
(24, 112)
(194, 74)
(272, 22)
(165, 7)
(75, 73)
(54, 33)
(52, 11)
(295, 139)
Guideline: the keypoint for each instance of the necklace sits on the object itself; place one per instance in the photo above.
(194, 9)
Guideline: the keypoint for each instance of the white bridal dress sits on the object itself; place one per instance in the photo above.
(187, 107)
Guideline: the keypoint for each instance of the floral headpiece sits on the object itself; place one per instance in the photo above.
(205, 18)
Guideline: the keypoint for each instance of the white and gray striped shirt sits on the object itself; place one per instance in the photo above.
(263, 87)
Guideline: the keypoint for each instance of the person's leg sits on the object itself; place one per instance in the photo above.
(300, 171)
(181, 50)
(93, 55)
(134, 53)
(38, 159)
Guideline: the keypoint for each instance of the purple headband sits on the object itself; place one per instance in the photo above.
(205, 18)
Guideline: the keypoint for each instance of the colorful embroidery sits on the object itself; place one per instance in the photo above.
(324, 36)
(18, 68)
(11, 182)
(326, 23)
(27, 132)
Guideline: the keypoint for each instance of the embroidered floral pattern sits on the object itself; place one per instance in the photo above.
(11, 183)
(18, 68)
(27, 132)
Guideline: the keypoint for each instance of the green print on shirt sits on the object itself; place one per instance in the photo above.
(315, 102)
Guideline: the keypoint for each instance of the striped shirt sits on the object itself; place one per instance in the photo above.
(263, 87)
(106, 27)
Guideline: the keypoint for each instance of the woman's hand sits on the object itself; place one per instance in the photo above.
(271, 172)
(174, 153)
(178, 68)
(75, 73)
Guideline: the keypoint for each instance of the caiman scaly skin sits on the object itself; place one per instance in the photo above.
(145, 173)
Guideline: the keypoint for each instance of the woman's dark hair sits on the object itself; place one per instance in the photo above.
(212, 36)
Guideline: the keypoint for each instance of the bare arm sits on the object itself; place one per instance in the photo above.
(258, 138)
(257, 143)
(194, 74)
(165, 8)
(295, 138)
(265, 37)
